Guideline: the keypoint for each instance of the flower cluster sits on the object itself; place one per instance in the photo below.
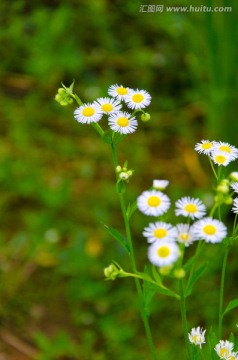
(168, 241)
(224, 350)
(221, 153)
(119, 120)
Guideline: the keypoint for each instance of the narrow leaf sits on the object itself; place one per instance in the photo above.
(193, 279)
(118, 236)
(131, 209)
(232, 305)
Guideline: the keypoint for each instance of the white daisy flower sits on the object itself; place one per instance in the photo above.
(235, 206)
(191, 207)
(234, 176)
(234, 187)
(209, 229)
(160, 184)
(88, 113)
(159, 231)
(227, 148)
(184, 234)
(224, 349)
(153, 203)
(221, 157)
(204, 147)
(197, 336)
(137, 99)
(163, 253)
(109, 106)
(122, 122)
(118, 91)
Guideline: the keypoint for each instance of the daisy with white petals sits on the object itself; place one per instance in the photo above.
(153, 203)
(184, 234)
(197, 336)
(227, 148)
(235, 206)
(160, 184)
(163, 253)
(109, 106)
(209, 229)
(88, 113)
(234, 187)
(204, 147)
(122, 122)
(159, 231)
(190, 207)
(138, 99)
(118, 91)
(224, 349)
(221, 157)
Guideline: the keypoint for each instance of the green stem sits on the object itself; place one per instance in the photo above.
(184, 317)
(133, 263)
(223, 273)
(213, 169)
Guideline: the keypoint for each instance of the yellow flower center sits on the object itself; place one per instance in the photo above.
(231, 357)
(225, 148)
(160, 233)
(191, 208)
(122, 121)
(207, 146)
(122, 91)
(220, 159)
(209, 229)
(184, 237)
(88, 111)
(107, 107)
(154, 201)
(223, 352)
(163, 251)
(137, 98)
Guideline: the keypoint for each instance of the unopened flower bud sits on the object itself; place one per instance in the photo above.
(228, 200)
(111, 272)
(165, 270)
(223, 188)
(234, 176)
(160, 184)
(179, 273)
(145, 117)
(130, 173)
(118, 168)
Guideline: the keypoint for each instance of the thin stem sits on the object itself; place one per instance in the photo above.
(133, 263)
(184, 317)
(213, 169)
(223, 273)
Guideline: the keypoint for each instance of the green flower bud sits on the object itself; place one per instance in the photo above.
(130, 173)
(228, 200)
(165, 270)
(61, 91)
(234, 176)
(123, 176)
(223, 188)
(179, 273)
(118, 168)
(111, 272)
(145, 117)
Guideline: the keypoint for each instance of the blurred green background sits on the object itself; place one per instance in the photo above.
(57, 180)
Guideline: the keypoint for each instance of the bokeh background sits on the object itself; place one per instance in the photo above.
(57, 180)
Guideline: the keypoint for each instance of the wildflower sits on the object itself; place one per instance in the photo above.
(221, 157)
(184, 234)
(210, 230)
(118, 91)
(235, 206)
(234, 187)
(88, 113)
(224, 349)
(227, 148)
(197, 336)
(234, 176)
(191, 207)
(160, 184)
(122, 122)
(204, 147)
(153, 203)
(109, 106)
(163, 253)
(137, 99)
(159, 231)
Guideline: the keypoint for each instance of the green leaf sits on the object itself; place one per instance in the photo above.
(131, 209)
(193, 279)
(232, 305)
(107, 137)
(149, 290)
(120, 187)
(156, 275)
(118, 138)
(118, 236)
